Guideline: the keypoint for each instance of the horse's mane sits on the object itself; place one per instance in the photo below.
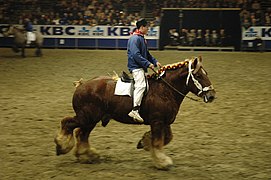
(169, 67)
(155, 75)
(18, 28)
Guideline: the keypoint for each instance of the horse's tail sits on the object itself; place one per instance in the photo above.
(78, 83)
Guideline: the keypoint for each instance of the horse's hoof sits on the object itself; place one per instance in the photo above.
(165, 168)
(88, 158)
(140, 144)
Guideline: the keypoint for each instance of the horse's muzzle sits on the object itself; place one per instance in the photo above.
(209, 96)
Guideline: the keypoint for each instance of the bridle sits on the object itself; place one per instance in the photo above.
(196, 82)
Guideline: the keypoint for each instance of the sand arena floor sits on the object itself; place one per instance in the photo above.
(229, 139)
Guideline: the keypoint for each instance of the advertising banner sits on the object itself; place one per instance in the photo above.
(104, 32)
(264, 32)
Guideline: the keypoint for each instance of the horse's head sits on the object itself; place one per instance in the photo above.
(7, 31)
(198, 81)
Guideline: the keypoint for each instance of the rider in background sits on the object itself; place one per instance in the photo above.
(139, 59)
(29, 29)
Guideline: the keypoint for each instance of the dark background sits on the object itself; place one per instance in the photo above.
(213, 19)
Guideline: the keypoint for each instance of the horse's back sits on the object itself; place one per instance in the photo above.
(94, 89)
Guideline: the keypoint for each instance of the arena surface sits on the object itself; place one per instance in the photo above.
(229, 139)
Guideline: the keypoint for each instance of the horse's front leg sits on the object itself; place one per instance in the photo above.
(23, 53)
(159, 138)
(38, 50)
(15, 48)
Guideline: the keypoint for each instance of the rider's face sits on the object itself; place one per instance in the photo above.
(144, 29)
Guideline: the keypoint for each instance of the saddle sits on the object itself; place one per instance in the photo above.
(125, 85)
(126, 78)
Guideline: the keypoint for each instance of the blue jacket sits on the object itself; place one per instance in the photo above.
(28, 26)
(138, 54)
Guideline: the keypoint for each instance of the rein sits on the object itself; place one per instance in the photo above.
(174, 87)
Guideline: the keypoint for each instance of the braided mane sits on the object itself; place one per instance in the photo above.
(168, 67)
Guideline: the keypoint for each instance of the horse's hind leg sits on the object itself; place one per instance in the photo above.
(83, 151)
(88, 116)
(64, 139)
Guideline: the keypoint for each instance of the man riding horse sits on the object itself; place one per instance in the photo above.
(29, 30)
(139, 59)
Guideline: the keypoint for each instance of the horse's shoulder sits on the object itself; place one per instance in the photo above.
(19, 28)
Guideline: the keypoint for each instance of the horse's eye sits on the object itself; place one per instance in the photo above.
(198, 76)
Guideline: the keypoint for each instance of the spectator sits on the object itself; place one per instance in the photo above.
(199, 37)
(214, 38)
(258, 44)
(267, 19)
(174, 37)
(207, 38)
(183, 37)
(191, 37)
(246, 24)
(222, 37)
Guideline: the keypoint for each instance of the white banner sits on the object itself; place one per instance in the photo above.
(97, 32)
(264, 32)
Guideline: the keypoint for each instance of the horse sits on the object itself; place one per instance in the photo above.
(94, 101)
(20, 40)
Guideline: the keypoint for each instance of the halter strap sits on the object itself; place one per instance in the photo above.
(196, 82)
(176, 90)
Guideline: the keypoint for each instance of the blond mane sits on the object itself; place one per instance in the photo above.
(169, 67)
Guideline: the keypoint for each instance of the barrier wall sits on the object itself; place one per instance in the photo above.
(116, 37)
(112, 37)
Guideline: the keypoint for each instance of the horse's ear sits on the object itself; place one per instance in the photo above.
(197, 64)
(200, 59)
(196, 61)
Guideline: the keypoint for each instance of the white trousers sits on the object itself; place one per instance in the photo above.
(28, 37)
(140, 85)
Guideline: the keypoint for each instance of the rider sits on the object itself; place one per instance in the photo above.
(29, 29)
(139, 59)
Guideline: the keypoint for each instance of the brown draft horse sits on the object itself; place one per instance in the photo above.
(20, 40)
(94, 101)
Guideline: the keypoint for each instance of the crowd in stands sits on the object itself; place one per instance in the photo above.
(119, 12)
(68, 12)
(199, 37)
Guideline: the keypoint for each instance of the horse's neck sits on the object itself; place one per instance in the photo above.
(173, 85)
(177, 79)
(18, 32)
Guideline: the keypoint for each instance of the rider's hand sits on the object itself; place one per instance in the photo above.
(158, 64)
(151, 66)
